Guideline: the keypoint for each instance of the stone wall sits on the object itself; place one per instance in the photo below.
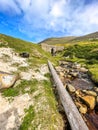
(48, 48)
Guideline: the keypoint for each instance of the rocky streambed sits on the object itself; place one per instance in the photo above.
(81, 88)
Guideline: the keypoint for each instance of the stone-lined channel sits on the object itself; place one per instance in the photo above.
(83, 91)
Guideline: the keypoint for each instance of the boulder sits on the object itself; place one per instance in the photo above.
(7, 80)
(70, 88)
(24, 54)
(89, 101)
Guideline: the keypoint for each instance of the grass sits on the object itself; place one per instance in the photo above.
(43, 114)
(21, 88)
(86, 53)
(27, 121)
(93, 70)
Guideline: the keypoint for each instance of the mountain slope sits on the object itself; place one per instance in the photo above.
(30, 103)
(70, 39)
(61, 40)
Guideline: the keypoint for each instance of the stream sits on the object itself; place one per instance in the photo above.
(78, 77)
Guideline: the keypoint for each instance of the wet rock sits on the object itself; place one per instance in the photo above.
(7, 80)
(89, 92)
(70, 88)
(89, 101)
(82, 108)
(79, 93)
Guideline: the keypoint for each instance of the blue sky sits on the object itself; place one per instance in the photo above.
(36, 20)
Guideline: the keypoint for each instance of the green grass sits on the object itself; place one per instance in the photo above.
(21, 88)
(85, 53)
(27, 121)
(10, 92)
(93, 70)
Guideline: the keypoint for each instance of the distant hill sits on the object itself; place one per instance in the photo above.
(70, 39)
(90, 36)
(60, 40)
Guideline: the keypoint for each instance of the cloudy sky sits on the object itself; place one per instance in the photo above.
(35, 20)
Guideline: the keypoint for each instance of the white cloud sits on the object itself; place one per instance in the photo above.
(72, 17)
(9, 6)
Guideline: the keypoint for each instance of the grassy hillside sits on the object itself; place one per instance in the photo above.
(71, 39)
(40, 106)
(37, 55)
(84, 52)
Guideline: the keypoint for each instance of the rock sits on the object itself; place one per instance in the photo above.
(59, 68)
(74, 74)
(7, 80)
(24, 54)
(76, 66)
(97, 99)
(89, 92)
(82, 107)
(69, 76)
(63, 63)
(79, 93)
(96, 89)
(61, 74)
(70, 88)
(89, 101)
(82, 69)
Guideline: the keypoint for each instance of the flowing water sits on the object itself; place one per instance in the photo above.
(83, 81)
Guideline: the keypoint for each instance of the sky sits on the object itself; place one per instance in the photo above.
(36, 20)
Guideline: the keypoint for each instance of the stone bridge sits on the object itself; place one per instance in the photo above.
(48, 47)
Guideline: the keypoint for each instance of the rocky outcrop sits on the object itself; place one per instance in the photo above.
(7, 80)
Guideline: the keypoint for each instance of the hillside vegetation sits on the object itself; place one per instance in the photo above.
(71, 39)
(31, 98)
(83, 49)
(54, 41)
(84, 52)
